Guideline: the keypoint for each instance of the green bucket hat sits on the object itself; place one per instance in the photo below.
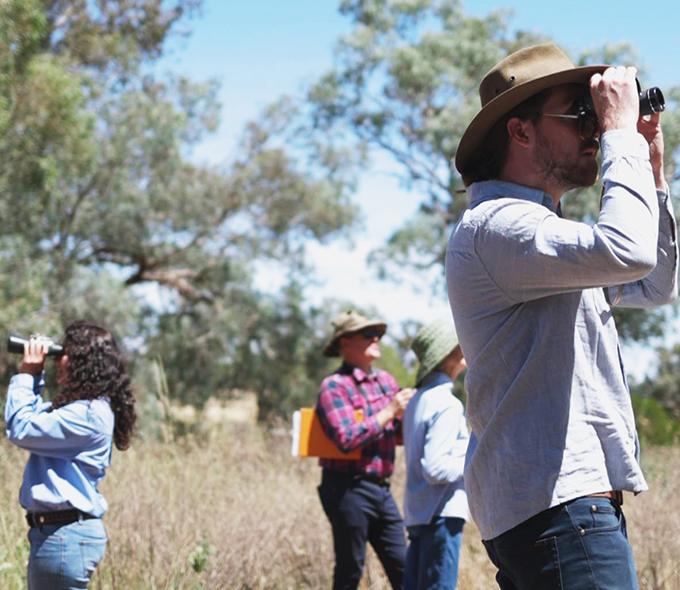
(432, 345)
(347, 323)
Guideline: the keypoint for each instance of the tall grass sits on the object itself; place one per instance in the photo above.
(235, 512)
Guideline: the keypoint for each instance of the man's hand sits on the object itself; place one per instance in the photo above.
(616, 98)
(650, 128)
(35, 352)
(396, 407)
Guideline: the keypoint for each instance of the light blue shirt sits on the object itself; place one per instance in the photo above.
(435, 441)
(548, 403)
(70, 448)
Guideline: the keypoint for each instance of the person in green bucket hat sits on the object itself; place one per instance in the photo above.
(435, 441)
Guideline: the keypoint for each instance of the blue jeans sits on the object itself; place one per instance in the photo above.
(580, 545)
(63, 557)
(432, 556)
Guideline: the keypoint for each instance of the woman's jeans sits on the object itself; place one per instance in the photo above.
(579, 545)
(433, 555)
(63, 557)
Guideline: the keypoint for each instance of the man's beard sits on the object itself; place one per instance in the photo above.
(564, 173)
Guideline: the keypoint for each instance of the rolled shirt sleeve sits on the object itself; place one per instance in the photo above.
(336, 414)
(544, 254)
(62, 433)
(446, 442)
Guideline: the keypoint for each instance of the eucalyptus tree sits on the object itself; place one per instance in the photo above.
(103, 213)
(405, 84)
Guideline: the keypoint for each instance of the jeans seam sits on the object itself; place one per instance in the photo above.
(556, 556)
(581, 539)
(62, 569)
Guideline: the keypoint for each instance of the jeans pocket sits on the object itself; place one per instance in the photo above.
(604, 518)
(594, 515)
(525, 565)
(92, 553)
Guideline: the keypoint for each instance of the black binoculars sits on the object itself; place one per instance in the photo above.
(15, 345)
(651, 101)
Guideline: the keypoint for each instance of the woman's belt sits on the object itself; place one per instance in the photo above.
(56, 517)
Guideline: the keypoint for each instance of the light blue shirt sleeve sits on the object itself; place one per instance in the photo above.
(435, 441)
(446, 442)
(659, 286)
(530, 252)
(63, 433)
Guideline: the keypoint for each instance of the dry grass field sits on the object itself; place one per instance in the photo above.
(235, 512)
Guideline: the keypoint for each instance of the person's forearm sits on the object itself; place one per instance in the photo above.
(660, 286)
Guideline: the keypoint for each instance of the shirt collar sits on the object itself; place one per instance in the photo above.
(487, 190)
(356, 372)
(434, 379)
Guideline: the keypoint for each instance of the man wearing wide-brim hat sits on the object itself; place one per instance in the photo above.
(553, 444)
(355, 494)
(435, 441)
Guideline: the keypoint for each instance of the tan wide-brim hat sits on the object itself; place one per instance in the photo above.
(347, 323)
(518, 77)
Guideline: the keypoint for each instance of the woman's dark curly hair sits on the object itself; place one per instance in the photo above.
(95, 369)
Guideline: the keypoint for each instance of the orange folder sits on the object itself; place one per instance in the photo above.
(309, 439)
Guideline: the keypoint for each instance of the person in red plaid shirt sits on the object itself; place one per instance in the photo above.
(355, 494)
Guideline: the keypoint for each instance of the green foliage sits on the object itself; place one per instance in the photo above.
(198, 558)
(103, 216)
(654, 425)
(665, 387)
(391, 362)
(406, 84)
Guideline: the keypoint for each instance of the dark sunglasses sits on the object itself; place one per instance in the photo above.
(583, 112)
(370, 333)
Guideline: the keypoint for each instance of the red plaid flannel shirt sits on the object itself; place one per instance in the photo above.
(343, 392)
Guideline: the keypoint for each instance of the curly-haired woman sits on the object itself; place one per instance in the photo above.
(70, 441)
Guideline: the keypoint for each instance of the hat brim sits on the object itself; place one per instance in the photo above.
(332, 349)
(425, 369)
(495, 109)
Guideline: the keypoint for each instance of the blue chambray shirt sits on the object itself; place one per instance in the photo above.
(548, 402)
(70, 448)
(435, 441)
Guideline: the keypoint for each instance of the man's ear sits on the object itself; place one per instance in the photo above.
(521, 131)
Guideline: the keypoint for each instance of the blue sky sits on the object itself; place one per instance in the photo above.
(262, 49)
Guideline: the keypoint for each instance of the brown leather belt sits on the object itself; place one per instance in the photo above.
(56, 517)
(612, 495)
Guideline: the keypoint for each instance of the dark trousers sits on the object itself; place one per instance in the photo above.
(580, 545)
(360, 510)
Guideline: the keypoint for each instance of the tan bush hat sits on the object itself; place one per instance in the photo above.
(432, 344)
(518, 77)
(346, 323)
